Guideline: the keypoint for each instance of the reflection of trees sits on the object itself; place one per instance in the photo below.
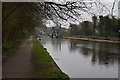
(56, 43)
(101, 53)
(85, 51)
(73, 46)
(106, 57)
(94, 54)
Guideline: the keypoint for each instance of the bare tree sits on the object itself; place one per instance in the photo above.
(58, 11)
(69, 11)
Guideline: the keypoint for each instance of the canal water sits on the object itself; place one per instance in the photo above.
(84, 59)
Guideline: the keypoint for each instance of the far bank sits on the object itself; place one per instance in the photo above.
(98, 39)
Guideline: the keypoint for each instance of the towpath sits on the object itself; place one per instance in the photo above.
(20, 64)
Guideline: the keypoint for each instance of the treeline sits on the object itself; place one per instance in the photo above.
(19, 20)
(102, 26)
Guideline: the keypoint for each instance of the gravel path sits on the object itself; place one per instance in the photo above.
(20, 64)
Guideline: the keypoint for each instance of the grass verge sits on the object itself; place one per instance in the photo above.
(43, 64)
(9, 49)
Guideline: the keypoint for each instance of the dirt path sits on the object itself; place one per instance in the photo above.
(20, 64)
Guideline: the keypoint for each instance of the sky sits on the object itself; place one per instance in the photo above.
(96, 10)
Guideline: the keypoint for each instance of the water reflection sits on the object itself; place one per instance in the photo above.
(79, 58)
(101, 53)
(56, 43)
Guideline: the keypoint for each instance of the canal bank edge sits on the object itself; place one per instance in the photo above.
(43, 64)
(95, 40)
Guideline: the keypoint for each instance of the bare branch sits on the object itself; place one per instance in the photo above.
(113, 7)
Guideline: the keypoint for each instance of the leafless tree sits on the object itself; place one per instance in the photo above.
(69, 11)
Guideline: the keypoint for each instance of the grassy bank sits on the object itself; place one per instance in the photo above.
(9, 49)
(43, 64)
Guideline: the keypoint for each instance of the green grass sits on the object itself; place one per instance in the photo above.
(42, 62)
(11, 46)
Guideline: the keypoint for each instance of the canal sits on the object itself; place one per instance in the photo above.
(84, 59)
